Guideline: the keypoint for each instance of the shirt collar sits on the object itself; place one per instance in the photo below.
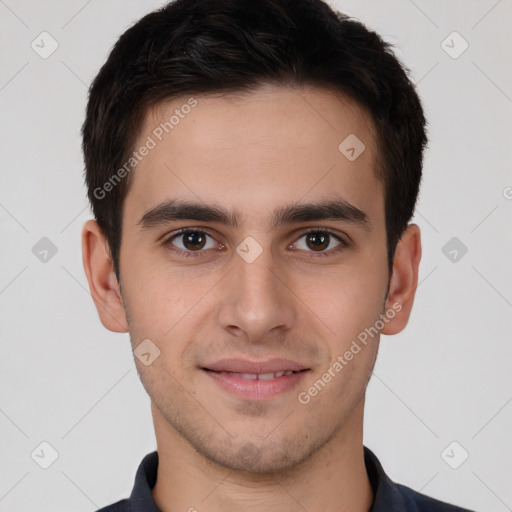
(386, 495)
(145, 479)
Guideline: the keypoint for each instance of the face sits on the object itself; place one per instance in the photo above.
(267, 280)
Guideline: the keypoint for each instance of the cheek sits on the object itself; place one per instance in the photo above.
(347, 300)
(153, 301)
(163, 306)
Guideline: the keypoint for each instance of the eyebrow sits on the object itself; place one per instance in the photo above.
(174, 209)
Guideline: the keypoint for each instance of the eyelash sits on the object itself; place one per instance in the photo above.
(167, 242)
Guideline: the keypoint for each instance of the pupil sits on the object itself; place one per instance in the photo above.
(194, 239)
(321, 240)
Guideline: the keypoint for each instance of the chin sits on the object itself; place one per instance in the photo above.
(264, 458)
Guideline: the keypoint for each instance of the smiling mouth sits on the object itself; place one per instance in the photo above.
(256, 376)
(256, 386)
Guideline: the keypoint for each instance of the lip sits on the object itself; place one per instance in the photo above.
(227, 374)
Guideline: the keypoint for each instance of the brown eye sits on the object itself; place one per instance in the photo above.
(190, 242)
(194, 240)
(318, 241)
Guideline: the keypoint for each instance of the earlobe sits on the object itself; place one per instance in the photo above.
(404, 279)
(103, 284)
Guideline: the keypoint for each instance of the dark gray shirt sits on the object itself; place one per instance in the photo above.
(388, 496)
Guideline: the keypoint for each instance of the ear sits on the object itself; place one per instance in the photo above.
(404, 279)
(103, 284)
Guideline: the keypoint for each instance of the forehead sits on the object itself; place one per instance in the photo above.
(256, 150)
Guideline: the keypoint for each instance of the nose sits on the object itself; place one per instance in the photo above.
(257, 299)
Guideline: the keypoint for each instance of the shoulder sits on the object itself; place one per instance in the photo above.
(390, 495)
(120, 506)
(423, 503)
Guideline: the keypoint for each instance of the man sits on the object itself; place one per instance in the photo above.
(252, 167)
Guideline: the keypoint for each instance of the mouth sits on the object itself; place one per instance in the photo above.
(256, 376)
(255, 380)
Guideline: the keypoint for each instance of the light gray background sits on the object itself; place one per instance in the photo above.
(67, 381)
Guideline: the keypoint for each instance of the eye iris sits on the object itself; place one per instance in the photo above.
(193, 239)
(320, 241)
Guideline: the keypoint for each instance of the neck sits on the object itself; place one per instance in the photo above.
(334, 478)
